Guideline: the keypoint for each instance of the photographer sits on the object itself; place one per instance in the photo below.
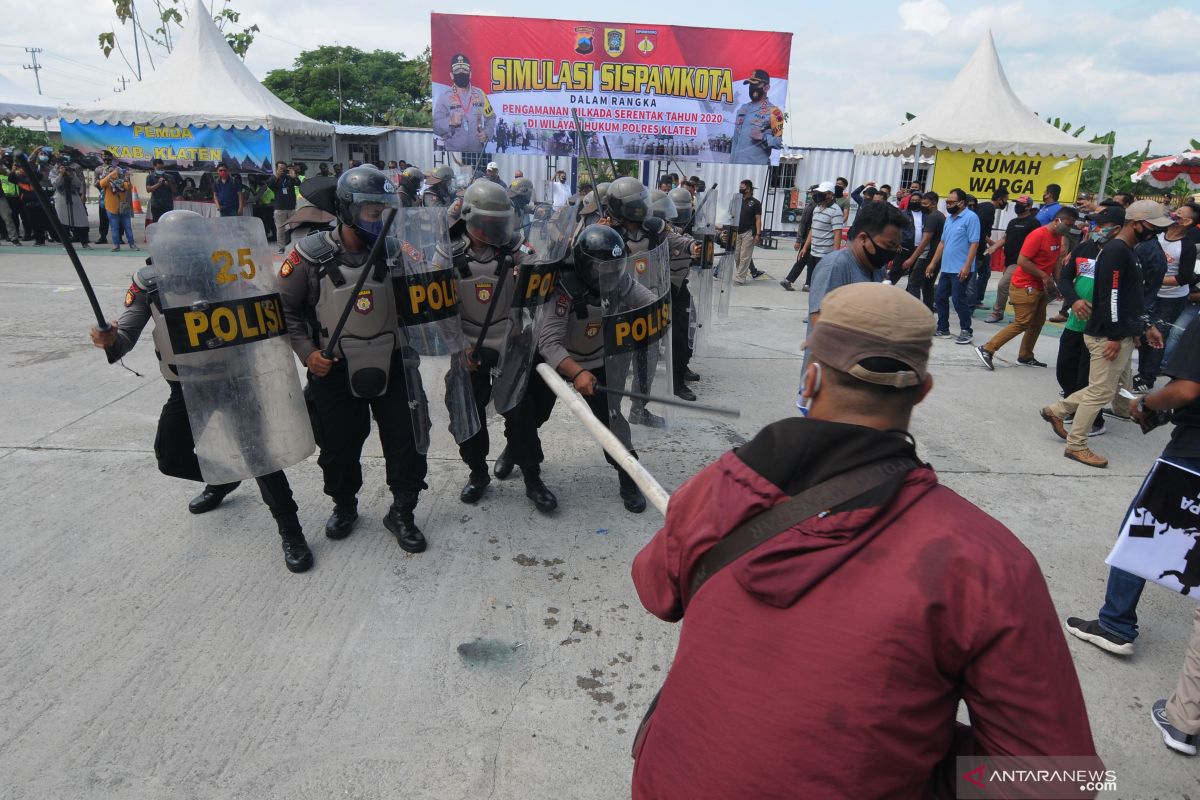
(69, 195)
(283, 183)
(162, 191)
(118, 205)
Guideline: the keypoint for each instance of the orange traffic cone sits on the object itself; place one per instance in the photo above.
(137, 204)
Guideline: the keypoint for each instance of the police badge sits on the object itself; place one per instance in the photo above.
(484, 293)
(614, 41)
(365, 301)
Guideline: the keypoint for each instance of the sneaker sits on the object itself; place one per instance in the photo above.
(942, 334)
(1099, 429)
(1030, 362)
(985, 357)
(1090, 631)
(1173, 738)
(964, 337)
(994, 318)
(1141, 385)
(787, 285)
(1059, 429)
(804, 288)
(1087, 458)
(116, 249)
(1112, 412)
(739, 281)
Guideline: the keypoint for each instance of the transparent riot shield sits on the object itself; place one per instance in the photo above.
(726, 266)
(427, 306)
(545, 246)
(221, 305)
(636, 292)
(700, 285)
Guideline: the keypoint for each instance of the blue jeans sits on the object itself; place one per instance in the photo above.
(1118, 615)
(980, 278)
(1180, 325)
(949, 286)
(118, 223)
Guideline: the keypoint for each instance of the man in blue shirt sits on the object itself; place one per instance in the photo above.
(955, 255)
(1050, 204)
(227, 194)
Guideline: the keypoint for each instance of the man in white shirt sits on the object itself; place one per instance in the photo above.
(559, 192)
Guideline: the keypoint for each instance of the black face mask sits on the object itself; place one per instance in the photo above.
(952, 209)
(818, 197)
(1145, 234)
(838, 191)
(756, 93)
(462, 79)
(881, 257)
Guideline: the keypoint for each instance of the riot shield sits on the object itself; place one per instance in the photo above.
(700, 286)
(546, 244)
(636, 292)
(726, 266)
(427, 306)
(224, 317)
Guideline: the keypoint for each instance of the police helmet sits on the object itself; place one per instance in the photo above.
(662, 206)
(628, 200)
(488, 214)
(521, 190)
(439, 175)
(682, 199)
(410, 180)
(363, 192)
(589, 199)
(595, 245)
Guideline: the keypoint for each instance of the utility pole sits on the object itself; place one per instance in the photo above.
(36, 67)
(124, 82)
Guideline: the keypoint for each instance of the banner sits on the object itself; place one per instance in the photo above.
(509, 84)
(1160, 539)
(981, 174)
(194, 148)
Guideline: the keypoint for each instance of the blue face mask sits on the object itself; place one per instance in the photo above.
(369, 231)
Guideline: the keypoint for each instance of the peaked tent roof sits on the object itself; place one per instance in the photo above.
(202, 82)
(16, 102)
(980, 113)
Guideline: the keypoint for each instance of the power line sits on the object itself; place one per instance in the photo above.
(36, 67)
(80, 63)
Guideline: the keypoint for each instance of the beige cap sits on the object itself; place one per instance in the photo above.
(870, 320)
(1148, 211)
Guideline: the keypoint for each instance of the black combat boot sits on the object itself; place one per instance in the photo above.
(341, 522)
(631, 495)
(638, 415)
(689, 375)
(211, 497)
(400, 522)
(535, 490)
(477, 484)
(504, 465)
(296, 554)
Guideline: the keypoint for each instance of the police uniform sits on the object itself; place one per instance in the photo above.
(431, 199)
(477, 292)
(756, 116)
(638, 241)
(317, 279)
(174, 446)
(460, 116)
(680, 248)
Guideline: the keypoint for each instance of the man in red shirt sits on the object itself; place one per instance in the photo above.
(1031, 288)
(829, 659)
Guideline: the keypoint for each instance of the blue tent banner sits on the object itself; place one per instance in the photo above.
(193, 148)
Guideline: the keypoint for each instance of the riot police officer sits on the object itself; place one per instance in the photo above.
(681, 299)
(439, 186)
(410, 184)
(174, 445)
(572, 340)
(367, 376)
(487, 253)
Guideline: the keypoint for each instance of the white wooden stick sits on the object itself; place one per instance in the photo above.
(653, 490)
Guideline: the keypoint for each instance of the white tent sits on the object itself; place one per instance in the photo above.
(980, 113)
(16, 102)
(202, 82)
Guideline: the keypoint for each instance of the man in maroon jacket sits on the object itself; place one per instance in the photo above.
(829, 660)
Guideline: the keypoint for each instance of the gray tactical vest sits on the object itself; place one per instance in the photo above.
(477, 292)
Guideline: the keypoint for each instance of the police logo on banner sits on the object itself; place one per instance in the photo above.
(584, 37)
(365, 301)
(614, 41)
(645, 41)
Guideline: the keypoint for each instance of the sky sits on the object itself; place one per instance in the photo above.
(856, 67)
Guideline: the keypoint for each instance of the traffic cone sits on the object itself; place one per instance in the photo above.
(137, 204)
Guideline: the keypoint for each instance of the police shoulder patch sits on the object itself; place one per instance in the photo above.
(562, 306)
(131, 294)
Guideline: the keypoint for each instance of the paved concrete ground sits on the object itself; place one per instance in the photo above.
(148, 653)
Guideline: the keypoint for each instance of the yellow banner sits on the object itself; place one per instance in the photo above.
(981, 174)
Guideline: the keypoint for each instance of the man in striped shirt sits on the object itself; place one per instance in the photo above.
(824, 236)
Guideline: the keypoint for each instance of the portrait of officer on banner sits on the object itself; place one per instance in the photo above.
(758, 129)
(463, 117)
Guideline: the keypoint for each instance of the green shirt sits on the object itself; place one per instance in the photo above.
(1085, 286)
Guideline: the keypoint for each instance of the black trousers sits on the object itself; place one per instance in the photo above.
(158, 208)
(598, 403)
(102, 234)
(175, 450)
(520, 424)
(808, 262)
(341, 423)
(921, 287)
(681, 313)
(33, 219)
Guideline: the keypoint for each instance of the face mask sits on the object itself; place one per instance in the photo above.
(880, 257)
(756, 93)
(1004, 205)
(462, 79)
(1145, 234)
(1102, 235)
(952, 208)
(818, 197)
(838, 191)
(43, 158)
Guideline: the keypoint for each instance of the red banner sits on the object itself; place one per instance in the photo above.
(505, 84)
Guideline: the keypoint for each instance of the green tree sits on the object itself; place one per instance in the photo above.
(160, 30)
(356, 87)
(21, 139)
